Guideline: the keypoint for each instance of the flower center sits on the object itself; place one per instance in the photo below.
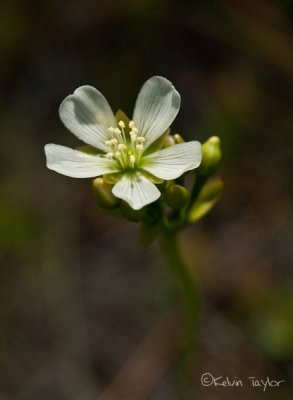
(126, 146)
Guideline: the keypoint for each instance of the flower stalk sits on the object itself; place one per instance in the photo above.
(189, 293)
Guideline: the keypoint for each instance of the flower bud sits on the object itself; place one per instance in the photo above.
(178, 138)
(103, 194)
(211, 156)
(168, 141)
(176, 196)
(207, 198)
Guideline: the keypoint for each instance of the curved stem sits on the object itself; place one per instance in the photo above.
(197, 186)
(190, 295)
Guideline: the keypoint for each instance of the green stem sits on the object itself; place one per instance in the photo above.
(198, 184)
(190, 295)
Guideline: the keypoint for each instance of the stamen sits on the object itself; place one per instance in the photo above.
(127, 150)
(121, 124)
(133, 136)
(121, 146)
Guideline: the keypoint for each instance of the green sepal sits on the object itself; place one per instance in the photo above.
(112, 178)
(157, 144)
(89, 150)
(152, 178)
(207, 198)
(121, 116)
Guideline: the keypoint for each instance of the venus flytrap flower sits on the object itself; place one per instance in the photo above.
(125, 151)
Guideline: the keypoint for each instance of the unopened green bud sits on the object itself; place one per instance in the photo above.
(207, 198)
(103, 194)
(211, 156)
(168, 141)
(176, 196)
(178, 138)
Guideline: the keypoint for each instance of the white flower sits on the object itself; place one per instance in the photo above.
(125, 149)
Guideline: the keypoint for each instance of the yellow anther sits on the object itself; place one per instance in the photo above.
(117, 131)
(117, 154)
(108, 143)
(121, 147)
(139, 147)
(134, 129)
(141, 139)
(131, 124)
(111, 129)
(110, 155)
(121, 124)
(114, 141)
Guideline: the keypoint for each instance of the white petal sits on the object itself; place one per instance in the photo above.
(77, 164)
(172, 162)
(155, 109)
(136, 190)
(87, 114)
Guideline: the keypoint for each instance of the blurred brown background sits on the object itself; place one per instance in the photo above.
(81, 301)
